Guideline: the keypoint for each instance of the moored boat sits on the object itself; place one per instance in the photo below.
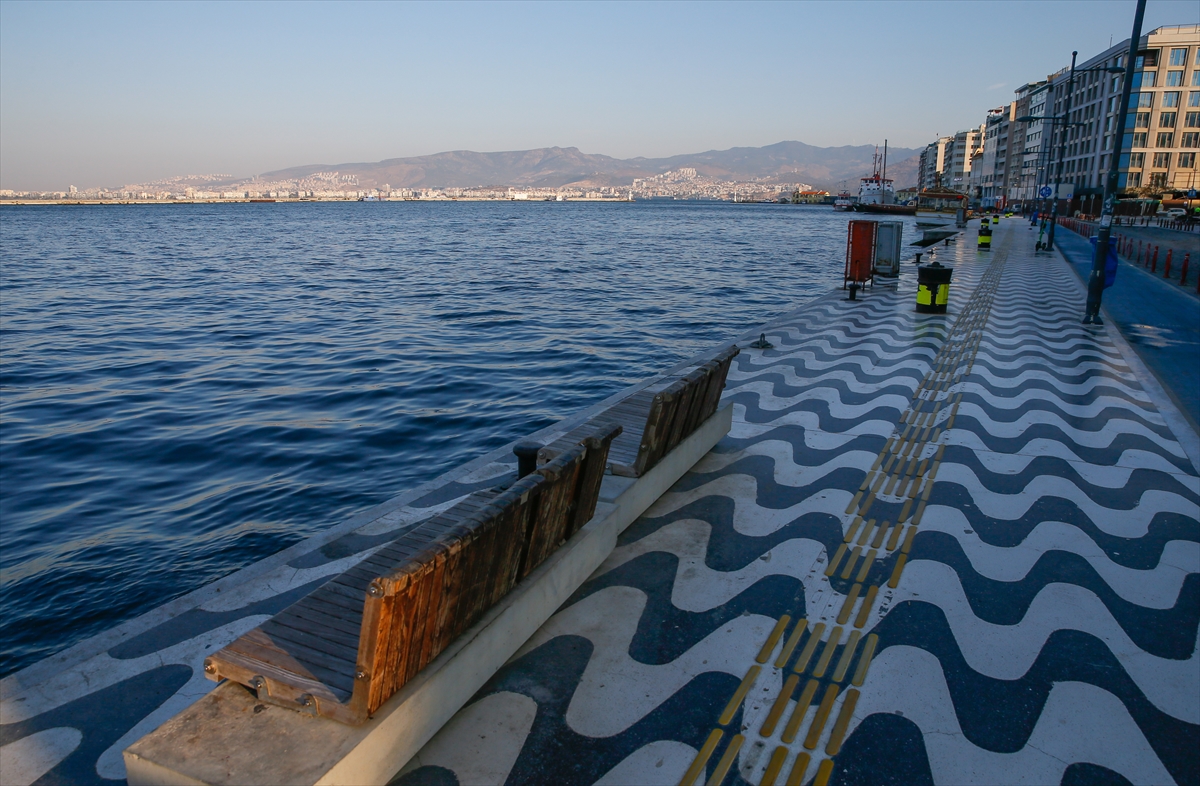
(941, 207)
(877, 193)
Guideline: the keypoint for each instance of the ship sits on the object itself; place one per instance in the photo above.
(877, 194)
(844, 201)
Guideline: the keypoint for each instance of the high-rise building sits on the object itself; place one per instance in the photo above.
(1012, 159)
(1162, 130)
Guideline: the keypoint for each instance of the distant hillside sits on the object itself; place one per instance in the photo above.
(823, 167)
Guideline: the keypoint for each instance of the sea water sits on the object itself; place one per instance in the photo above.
(186, 389)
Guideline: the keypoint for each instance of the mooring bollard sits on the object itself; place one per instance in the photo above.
(933, 288)
(1154, 264)
(526, 452)
(1167, 264)
(1183, 272)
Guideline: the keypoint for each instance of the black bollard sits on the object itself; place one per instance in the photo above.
(526, 452)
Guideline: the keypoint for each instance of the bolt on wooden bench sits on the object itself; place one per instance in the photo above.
(343, 650)
(656, 419)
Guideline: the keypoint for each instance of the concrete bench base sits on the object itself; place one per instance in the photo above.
(227, 737)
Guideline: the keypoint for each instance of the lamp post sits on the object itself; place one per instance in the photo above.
(1063, 121)
(1062, 154)
(1091, 315)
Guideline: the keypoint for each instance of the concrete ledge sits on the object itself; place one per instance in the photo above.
(227, 737)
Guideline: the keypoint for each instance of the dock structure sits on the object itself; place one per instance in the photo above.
(957, 548)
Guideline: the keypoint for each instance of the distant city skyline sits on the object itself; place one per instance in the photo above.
(103, 94)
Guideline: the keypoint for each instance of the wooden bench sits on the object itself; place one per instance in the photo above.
(656, 418)
(347, 647)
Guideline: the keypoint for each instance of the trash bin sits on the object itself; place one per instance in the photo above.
(933, 288)
(1110, 264)
(985, 237)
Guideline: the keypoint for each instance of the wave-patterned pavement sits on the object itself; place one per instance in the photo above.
(953, 549)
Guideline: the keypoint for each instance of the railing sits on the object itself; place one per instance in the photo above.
(1145, 255)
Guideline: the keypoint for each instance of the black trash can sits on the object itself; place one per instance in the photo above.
(933, 288)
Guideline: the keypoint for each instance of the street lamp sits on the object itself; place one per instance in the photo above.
(1091, 314)
(1064, 121)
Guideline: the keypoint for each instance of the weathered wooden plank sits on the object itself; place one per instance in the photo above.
(330, 669)
(284, 663)
(336, 607)
(243, 668)
(300, 641)
(307, 613)
(591, 475)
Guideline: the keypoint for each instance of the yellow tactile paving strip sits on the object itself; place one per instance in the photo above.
(903, 473)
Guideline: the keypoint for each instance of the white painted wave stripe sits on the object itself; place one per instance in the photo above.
(1156, 588)
(1006, 652)
(616, 691)
(1100, 438)
(1132, 523)
(750, 518)
(1021, 379)
(1006, 462)
(1092, 409)
(1079, 722)
(849, 379)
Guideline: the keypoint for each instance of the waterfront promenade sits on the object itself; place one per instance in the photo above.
(956, 548)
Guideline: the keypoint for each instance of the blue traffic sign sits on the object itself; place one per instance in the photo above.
(1045, 191)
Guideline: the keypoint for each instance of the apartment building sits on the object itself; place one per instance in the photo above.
(947, 162)
(1162, 134)
(1160, 146)
(932, 163)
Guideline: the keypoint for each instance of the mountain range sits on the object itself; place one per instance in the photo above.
(831, 168)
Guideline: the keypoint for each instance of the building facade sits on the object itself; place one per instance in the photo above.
(1157, 155)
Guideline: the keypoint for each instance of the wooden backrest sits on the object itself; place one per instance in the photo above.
(679, 409)
(346, 648)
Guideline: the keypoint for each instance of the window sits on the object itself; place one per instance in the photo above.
(1165, 139)
(1196, 78)
(1115, 85)
(1162, 160)
(1174, 78)
(1137, 160)
(1139, 139)
(1194, 97)
(1144, 79)
(1171, 99)
(1187, 160)
(1158, 179)
(1145, 100)
(1192, 120)
(1166, 119)
(1190, 139)
(1135, 180)
(1142, 120)
(1178, 57)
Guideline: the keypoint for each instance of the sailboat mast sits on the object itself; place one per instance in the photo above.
(883, 181)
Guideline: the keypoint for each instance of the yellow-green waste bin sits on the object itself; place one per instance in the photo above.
(933, 288)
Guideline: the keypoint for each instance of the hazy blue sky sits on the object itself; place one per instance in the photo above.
(113, 93)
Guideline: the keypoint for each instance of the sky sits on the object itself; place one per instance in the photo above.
(107, 94)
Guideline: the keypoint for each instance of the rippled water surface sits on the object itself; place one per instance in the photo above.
(187, 389)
